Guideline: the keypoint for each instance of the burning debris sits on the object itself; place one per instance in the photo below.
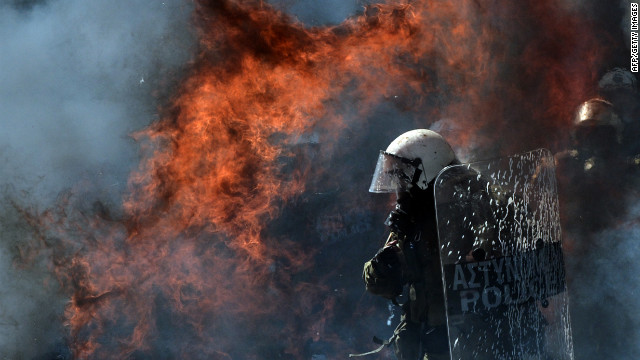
(242, 231)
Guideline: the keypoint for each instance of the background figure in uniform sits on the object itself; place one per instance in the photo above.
(410, 256)
(619, 87)
(594, 159)
(596, 179)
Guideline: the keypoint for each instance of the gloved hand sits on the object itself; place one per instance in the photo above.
(413, 207)
(399, 221)
(386, 261)
(383, 273)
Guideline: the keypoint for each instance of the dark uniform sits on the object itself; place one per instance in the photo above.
(410, 257)
(594, 175)
(597, 182)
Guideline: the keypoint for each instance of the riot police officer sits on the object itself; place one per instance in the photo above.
(410, 257)
(489, 225)
(594, 159)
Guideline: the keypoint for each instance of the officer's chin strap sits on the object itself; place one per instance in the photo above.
(382, 343)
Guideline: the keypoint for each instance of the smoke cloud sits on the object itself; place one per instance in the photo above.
(76, 79)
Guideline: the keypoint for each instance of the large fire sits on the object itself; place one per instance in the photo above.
(239, 235)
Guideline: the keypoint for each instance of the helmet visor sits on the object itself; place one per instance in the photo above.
(393, 173)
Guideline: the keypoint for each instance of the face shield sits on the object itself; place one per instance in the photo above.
(394, 173)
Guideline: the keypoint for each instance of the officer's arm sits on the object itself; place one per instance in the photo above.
(383, 273)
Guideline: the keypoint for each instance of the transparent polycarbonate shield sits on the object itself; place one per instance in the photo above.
(502, 264)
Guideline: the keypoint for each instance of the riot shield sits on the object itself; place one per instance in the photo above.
(501, 256)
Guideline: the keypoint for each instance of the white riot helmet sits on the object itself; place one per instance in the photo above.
(618, 79)
(413, 158)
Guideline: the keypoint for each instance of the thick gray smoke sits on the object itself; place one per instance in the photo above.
(77, 77)
(604, 293)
